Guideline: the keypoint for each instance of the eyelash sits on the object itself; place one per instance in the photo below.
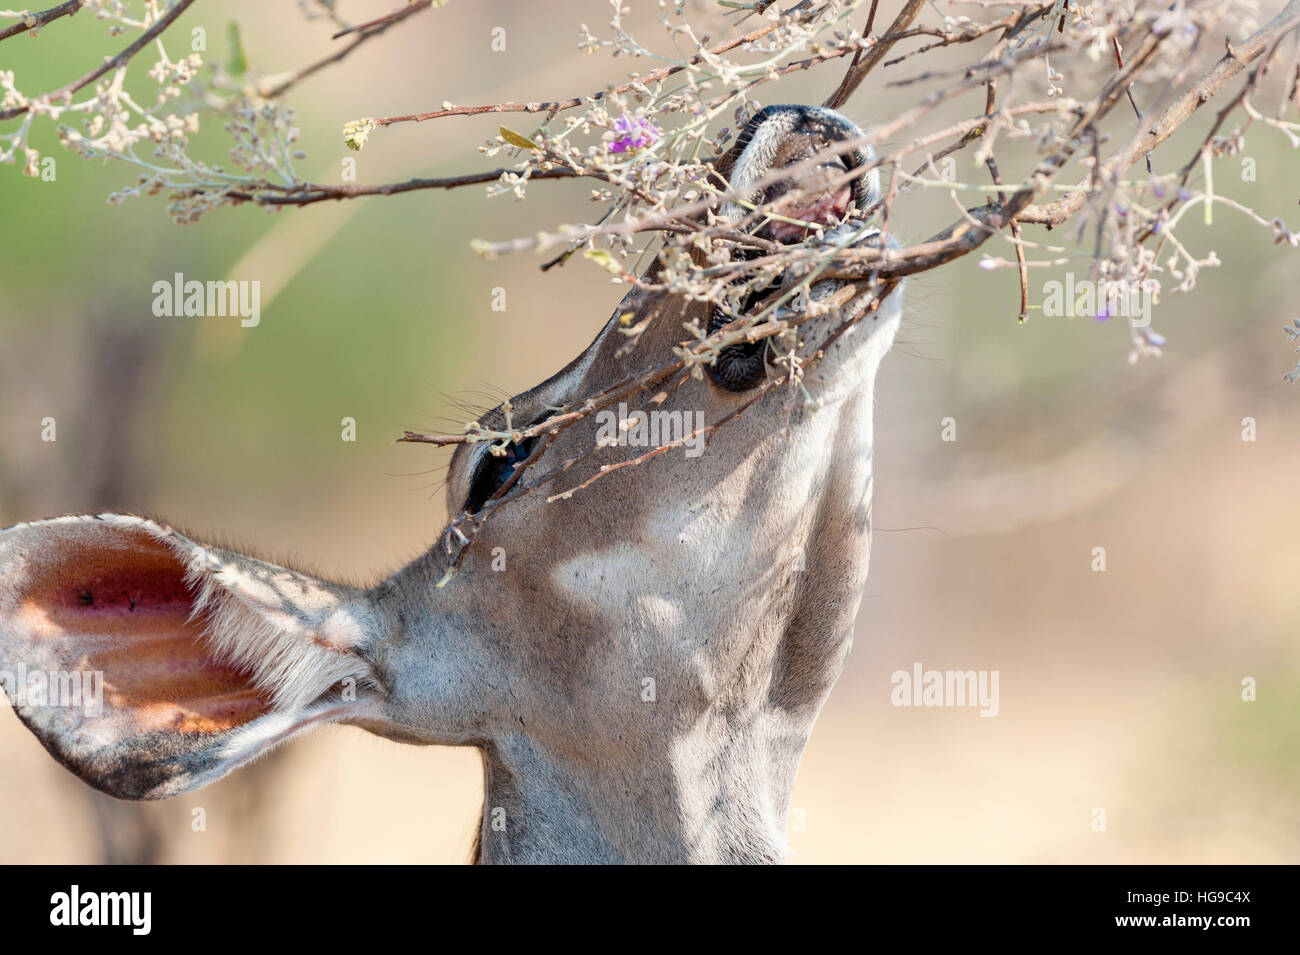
(492, 471)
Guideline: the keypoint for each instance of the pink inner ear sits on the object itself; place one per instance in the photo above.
(124, 611)
(124, 591)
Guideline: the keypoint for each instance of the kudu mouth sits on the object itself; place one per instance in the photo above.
(815, 199)
(782, 137)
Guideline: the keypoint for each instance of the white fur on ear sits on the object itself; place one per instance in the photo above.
(198, 659)
(295, 664)
(296, 635)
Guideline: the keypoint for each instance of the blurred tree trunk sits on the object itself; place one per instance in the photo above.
(102, 383)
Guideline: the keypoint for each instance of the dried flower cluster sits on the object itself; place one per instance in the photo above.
(1080, 98)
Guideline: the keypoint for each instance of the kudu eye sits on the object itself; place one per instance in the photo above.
(494, 470)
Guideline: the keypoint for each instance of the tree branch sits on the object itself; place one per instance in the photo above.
(309, 193)
(365, 31)
(858, 71)
(1232, 63)
(555, 106)
(37, 20)
(112, 63)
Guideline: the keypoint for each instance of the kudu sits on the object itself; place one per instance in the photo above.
(730, 580)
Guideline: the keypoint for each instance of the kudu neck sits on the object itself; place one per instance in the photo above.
(710, 796)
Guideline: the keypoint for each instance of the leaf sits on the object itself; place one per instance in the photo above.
(603, 259)
(237, 65)
(517, 139)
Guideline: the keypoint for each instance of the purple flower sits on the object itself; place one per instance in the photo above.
(1183, 194)
(637, 133)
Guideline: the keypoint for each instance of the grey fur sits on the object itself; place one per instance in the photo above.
(731, 581)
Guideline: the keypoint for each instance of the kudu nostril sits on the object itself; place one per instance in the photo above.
(819, 192)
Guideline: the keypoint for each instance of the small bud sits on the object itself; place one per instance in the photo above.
(357, 132)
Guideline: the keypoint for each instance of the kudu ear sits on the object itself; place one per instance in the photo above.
(150, 665)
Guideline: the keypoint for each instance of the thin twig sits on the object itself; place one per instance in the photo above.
(365, 31)
(112, 63)
(858, 71)
(556, 106)
(35, 21)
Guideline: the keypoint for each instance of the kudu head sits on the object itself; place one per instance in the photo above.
(639, 651)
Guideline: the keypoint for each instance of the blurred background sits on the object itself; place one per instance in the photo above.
(1119, 690)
